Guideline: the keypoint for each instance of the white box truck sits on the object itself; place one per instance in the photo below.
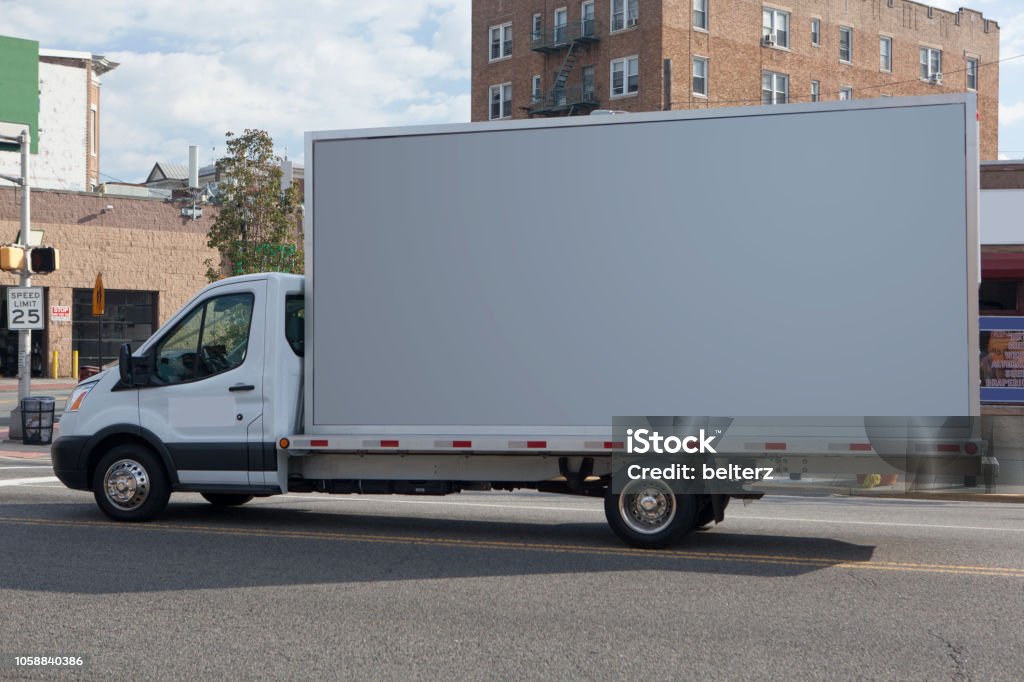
(481, 300)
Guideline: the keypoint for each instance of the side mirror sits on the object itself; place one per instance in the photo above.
(124, 364)
(135, 371)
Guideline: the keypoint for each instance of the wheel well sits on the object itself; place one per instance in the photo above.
(112, 441)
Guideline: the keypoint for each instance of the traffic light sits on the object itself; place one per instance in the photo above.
(43, 260)
(12, 258)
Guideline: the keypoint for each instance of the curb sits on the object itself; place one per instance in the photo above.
(22, 454)
(896, 494)
(1013, 498)
(37, 387)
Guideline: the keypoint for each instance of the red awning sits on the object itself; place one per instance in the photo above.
(1002, 266)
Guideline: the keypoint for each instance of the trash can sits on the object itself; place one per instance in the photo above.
(37, 420)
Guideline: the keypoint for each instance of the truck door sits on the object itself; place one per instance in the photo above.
(206, 400)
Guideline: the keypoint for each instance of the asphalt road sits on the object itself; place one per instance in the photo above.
(508, 586)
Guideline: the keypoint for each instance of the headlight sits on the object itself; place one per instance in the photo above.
(77, 396)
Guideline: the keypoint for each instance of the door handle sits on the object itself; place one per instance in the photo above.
(242, 387)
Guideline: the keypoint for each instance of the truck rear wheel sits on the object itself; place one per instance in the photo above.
(130, 484)
(647, 514)
(226, 499)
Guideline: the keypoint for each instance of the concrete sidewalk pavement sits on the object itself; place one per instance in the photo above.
(39, 386)
(15, 449)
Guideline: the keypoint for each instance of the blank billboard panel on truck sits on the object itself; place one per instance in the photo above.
(541, 277)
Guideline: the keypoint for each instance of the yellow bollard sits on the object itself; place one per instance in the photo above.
(53, 366)
(74, 365)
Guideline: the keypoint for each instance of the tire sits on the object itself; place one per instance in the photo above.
(130, 484)
(226, 499)
(668, 519)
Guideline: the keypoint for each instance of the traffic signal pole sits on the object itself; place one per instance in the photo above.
(25, 335)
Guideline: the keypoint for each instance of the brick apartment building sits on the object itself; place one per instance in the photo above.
(556, 58)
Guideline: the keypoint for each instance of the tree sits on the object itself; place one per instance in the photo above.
(257, 228)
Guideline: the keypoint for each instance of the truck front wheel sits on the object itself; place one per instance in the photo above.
(647, 514)
(130, 484)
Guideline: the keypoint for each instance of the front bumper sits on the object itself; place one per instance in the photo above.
(69, 461)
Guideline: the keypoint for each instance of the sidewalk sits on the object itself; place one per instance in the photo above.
(15, 449)
(39, 386)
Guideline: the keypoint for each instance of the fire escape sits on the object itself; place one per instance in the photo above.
(562, 98)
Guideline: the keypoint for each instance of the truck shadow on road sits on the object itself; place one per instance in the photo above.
(197, 547)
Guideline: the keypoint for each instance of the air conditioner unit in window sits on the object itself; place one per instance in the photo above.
(631, 21)
(768, 40)
(936, 79)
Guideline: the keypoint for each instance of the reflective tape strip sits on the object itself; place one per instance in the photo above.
(849, 447)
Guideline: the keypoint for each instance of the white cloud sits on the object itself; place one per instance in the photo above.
(1009, 114)
(191, 71)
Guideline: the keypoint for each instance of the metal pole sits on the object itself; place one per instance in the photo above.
(25, 335)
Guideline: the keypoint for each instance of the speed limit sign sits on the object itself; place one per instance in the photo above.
(25, 308)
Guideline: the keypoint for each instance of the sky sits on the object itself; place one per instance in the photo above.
(191, 71)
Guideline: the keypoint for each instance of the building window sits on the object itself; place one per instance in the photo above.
(501, 41)
(931, 64)
(625, 76)
(700, 76)
(625, 13)
(998, 296)
(557, 90)
(774, 88)
(94, 132)
(815, 32)
(885, 53)
(815, 91)
(561, 24)
(972, 73)
(538, 28)
(845, 93)
(501, 101)
(775, 27)
(587, 80)
(700, 14)
(535, 93)
(588, 25)
(845, 44)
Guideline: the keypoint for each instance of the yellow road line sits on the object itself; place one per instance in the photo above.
(789, 560)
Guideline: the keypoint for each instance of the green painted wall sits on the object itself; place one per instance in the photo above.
(19, 84)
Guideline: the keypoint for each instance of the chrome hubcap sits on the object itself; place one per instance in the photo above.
(647, 507)
(126, 484)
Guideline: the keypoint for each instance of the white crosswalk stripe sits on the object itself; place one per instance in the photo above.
(28, 481)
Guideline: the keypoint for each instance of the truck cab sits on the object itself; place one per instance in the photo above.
(197, 407)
